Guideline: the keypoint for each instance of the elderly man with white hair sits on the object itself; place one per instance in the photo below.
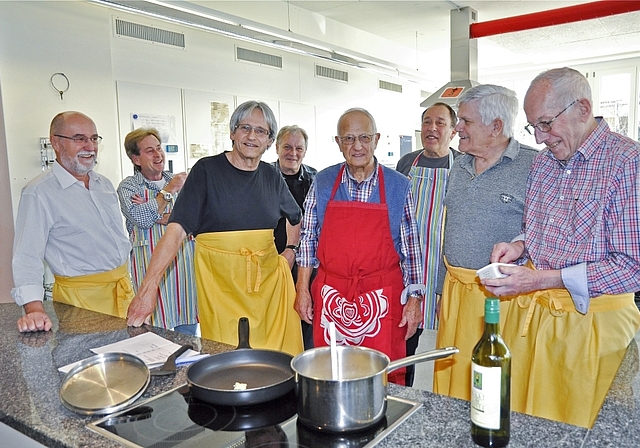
(485, 202)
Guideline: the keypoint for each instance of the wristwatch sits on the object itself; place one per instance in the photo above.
(166, 195)
(416, 295)
(293, 247)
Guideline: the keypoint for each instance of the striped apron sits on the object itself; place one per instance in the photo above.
(428, 186)
(177, 289)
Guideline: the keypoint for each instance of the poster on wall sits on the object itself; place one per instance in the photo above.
(219, 128)
(164, 124)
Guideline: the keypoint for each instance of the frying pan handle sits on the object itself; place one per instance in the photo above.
(243, 333)
(422, 357)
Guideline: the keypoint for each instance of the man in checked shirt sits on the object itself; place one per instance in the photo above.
(572, 315)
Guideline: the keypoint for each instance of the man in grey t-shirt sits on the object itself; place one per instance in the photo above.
(485, 202)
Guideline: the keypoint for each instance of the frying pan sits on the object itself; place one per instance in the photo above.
(266, 373)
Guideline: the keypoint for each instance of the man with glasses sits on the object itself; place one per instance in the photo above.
(485, 201)
(428, 171)
(360, 231)
(291, 147)
(231, 203)
(69, 217)
(572, 313)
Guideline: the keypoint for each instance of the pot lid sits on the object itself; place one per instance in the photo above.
(104, 383)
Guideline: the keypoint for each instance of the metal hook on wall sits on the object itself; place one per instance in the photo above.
(57, 89)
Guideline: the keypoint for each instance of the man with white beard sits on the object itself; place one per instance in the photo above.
(69, 217)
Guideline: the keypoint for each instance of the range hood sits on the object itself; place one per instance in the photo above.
(464, 59)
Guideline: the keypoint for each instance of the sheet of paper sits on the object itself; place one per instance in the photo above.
(151, 348)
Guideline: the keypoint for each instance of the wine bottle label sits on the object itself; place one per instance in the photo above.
(485, 396)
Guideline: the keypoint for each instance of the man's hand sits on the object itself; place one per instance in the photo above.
(141, 308)
(164, 220)
(35, 318)
(304, 305)
(507, 252)
(176, 184)
(137, 199)
(411, 317)
(521, 280)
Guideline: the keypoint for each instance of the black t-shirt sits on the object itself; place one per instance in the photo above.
(218, 197)
(405, 163)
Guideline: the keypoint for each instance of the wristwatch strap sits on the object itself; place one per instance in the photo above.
(166, 195)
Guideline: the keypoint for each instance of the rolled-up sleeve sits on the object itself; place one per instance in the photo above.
(309, 231)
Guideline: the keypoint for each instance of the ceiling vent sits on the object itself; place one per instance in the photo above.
(242, 54)
(149, 33)
(386, 85)
(332, 73)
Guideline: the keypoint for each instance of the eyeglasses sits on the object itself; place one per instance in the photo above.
(246, 129)
(545, 126)
(351, 139)
(82, 139)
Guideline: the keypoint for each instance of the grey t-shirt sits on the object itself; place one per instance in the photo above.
(484, 209)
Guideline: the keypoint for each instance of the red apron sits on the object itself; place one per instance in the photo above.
(359, 280)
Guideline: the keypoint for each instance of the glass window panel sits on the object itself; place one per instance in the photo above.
(615, 91)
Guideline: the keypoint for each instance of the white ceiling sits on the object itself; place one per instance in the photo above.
(423, 25)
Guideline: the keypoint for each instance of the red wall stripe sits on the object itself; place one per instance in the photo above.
(552, 17)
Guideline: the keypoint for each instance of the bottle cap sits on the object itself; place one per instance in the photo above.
(492, 310)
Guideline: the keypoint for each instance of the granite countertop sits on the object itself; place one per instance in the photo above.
(30, 383)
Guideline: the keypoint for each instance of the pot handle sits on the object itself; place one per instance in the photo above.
(243, 333)
(422, 357)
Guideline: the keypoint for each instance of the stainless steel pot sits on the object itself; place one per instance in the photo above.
(358, 399)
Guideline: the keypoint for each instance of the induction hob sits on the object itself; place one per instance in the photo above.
(177, 419)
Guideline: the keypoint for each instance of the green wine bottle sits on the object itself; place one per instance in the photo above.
(491, 383)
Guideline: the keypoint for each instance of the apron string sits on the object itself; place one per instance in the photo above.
(354, 280)
(250, 257)
(555, 307)
(253, 256)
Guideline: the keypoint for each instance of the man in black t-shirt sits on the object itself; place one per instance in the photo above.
(291, 147)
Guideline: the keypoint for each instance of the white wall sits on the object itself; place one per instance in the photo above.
(38, 39)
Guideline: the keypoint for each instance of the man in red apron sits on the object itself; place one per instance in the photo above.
(360, 231)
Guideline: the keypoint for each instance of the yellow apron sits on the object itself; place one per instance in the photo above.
(563, 362)
(240, 274)
(108, 292)
(461, 325)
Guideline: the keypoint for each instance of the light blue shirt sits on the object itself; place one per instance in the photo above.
(77, 231)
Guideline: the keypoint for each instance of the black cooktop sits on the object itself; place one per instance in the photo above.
(177, 419)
